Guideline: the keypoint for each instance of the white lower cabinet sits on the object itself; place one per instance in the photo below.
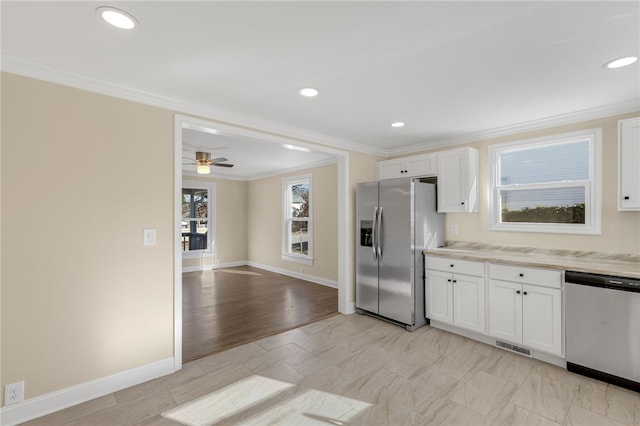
(455, 298)
(530, 315)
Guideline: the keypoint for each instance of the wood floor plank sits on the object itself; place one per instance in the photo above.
(223, 308)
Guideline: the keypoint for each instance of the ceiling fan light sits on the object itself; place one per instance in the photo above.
(203, 169)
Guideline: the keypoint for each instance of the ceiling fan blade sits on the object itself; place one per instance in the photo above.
(219, 160)
(223, 165)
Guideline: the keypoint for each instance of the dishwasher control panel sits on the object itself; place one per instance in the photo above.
(605, 281)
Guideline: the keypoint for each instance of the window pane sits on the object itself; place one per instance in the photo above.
(194, 234)
(555, 163)
(299, 200)
(194, 203)
(554, 205)
(299, 237)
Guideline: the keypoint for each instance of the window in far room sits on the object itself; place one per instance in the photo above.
(196, 219)
(297, 220)
(549, 184)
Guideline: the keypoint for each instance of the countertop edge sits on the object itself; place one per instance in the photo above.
(589, 265)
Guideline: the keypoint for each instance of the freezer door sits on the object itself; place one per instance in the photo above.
(366, 242)
(396, 261)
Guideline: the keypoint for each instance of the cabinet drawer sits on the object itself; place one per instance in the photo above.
(455, 265)
(526, 275)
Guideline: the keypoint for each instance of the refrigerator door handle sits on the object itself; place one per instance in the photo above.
(373, 234)
(379, 234)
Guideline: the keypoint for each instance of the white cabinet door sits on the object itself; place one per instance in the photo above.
(415, 166)
(421, 165)
(505, 310)
(468, 302)
(390, 169)
(439, 296)
(458, 180)
(629, 164)
(542, 318)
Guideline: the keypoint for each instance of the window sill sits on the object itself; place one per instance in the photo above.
(303, 260)
(548, 228)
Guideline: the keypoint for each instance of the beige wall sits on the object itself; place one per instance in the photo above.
(82, 298)
(231, 221)
(620, 230)
(265, 223)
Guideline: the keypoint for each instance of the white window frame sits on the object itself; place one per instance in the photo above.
(211, 217)
(593, 186)
(286, 254)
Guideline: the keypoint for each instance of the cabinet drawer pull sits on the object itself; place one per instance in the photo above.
(524, 292)
(451, 265)
(455, 281)
(521, 275)
(448, 280)
(626, 197)
(517, 291)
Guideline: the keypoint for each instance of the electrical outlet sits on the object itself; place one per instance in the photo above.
(13, 393)
(454, 229)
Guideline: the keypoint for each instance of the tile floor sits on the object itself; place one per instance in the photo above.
(356, 370)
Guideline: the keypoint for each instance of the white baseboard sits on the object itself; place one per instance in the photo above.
(230, 264)
(55, 401)
(313, 279)
(197, 268)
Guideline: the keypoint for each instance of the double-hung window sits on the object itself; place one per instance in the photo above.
(549, 184)
(197, 219)
(297, 226)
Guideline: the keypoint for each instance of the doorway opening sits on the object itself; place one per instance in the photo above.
(341, 159)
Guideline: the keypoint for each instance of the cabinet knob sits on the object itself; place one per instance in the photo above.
(455, 281)
(517, 291)
(448, 280)
(462, 203)
(451, 265)
(521, 275)
(626, 197)
(524, 292)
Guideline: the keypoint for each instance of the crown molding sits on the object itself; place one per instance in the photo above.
(39, 71)
(16, 65)
(631, 105)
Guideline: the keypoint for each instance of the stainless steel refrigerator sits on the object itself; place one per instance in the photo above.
(396, 220)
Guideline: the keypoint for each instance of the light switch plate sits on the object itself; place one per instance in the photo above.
(149, 238)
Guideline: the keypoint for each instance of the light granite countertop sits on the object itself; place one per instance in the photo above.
(623, 265)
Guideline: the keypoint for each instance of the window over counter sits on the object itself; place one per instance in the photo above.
(297, 226)
(550, 184)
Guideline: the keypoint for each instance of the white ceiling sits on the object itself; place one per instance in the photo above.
(453, 71)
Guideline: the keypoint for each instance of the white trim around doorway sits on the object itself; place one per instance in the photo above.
(345, 289)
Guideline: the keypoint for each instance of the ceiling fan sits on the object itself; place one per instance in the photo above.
(203, 162)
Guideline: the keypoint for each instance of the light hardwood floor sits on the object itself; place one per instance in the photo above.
(357, 370)
(223, 308)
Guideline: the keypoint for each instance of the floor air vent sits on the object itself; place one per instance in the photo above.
(513, 348)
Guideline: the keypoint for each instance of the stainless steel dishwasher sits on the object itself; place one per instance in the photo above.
(603, 327)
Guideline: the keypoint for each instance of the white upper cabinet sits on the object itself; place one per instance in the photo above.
(458, 180)
(415, 166)
(629, 164)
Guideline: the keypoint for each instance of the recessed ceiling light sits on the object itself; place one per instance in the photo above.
(308, 92)
(116, 17)
(397, 124)
(620, 62)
